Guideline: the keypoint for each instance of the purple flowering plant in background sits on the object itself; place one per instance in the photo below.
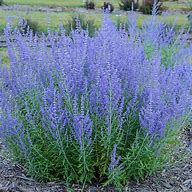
(105, 109)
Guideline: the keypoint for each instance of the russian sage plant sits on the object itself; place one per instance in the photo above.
(104, 109)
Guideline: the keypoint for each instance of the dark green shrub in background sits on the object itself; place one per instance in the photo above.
(27, 24)
(147, 7)
(108, 7)
(82, 22)
(1, 2)
(127, 5)
(89, 4)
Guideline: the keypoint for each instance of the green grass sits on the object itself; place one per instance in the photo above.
(42, 18)
(55, 3)
(56, 18)
(175, 5)
(4, 56)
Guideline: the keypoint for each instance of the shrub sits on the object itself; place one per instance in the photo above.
(147, 7)
(108, 7)
(103, 109)
(89, 4)
(80, 22)
(1, 2)
(128, 5)
(26, 25)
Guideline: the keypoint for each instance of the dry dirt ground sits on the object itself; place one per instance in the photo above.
(174, 178)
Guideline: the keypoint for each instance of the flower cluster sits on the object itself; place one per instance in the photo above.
(85, 108)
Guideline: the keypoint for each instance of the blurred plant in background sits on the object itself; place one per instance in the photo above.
(1, 2)
(108, 7)
(128, 5)
(26, 25)
(89, 4)
(80, 22)
(147, 6)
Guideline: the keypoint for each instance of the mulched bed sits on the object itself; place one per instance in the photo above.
(175, 178)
